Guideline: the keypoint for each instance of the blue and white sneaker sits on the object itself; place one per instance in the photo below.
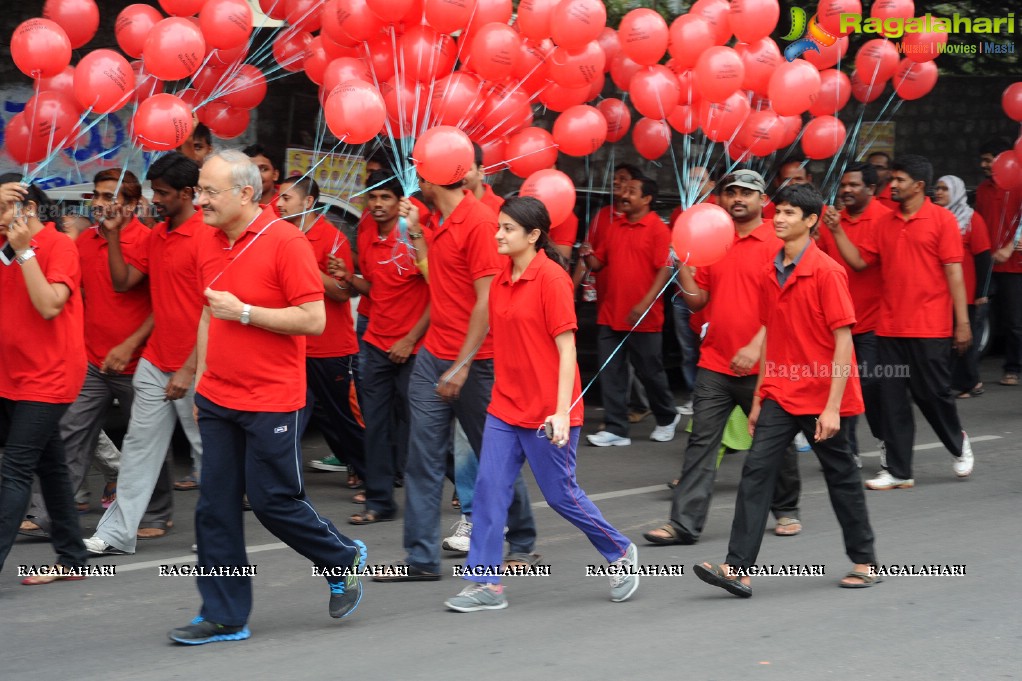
(346, 594)
(202, 631)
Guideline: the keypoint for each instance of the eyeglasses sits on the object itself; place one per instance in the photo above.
(742, 176)
(213, 193)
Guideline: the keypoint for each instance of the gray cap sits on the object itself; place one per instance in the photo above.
(749, 179)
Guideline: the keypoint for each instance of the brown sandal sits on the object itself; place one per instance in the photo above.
(673, 536)
(54, 574)
(368, 518)
(353, 480)
(359, 498)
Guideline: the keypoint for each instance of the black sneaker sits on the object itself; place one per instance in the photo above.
(346, 594)
(201, 631)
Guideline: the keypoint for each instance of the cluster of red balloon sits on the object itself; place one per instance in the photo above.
(1007, 167)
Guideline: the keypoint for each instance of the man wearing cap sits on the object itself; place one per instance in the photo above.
(728, 362)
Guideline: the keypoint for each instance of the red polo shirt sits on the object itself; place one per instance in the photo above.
(867, 286)
(398, 288)
(43, 360)
(338, 339)
(975, 240)
(463, 250)
(530, 313)
(565, 233)
(632, 253)
(884, 197)
(1000, 210)
(489, 198)
(800, 320)
(734, 287)
(912, 254)
(172, 263)
(367, 232)
(248, 368)
(111, 317)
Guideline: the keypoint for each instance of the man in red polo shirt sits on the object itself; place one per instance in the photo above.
(919, 249)
(881, 162)
(264, 295)
(633, 259)
(164, 380)
(1001, 209)
(728, 362)
(806, 384)
(475, 182)
(859, 216)
(331, 358)
(453, 374)
(116, 328)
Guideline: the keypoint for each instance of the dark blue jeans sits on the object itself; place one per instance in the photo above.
(867, 355)
(34, 447)
(328, 403)
(688, 340)
(259, 453)
(385, 401)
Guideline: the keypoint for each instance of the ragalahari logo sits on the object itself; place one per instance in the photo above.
(807, 36)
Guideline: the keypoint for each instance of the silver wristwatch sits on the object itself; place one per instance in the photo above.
(25, 256)
(246, 315)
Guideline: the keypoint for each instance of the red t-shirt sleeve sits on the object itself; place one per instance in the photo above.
(138, 257)
(979, 240)
(949, 246)
(704, 277)
(661, 246)
(835, 299)
(64, 266)
(299, 274)
(481, 250)
(559, 305)
(564, 233)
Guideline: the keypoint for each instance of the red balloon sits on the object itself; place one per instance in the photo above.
(719, 121)
(689, 94)
(405, 102)
(390, 11)
(835, 91)
(454, 99)
(443, 155)
(146, 84)
(619, 118)
(914, 80)
(828, 14)
(494, 50)
(244, 89)
(530, 150)
(532, 69)
(174, 49)
(829, 55)
(719, 73)
(161, 123)
(877, 59)
(610, 43)
(40, 47)
(349, 20)
(760, 60)
(651, 138)
(793, 87)
(644, 36)
(559, 98)
(1011, 101)
(923, 47)
(534, 18)
(690, 36)
(20, 143)
(182, 8)
(316, 60)
(494, 155)
(489, 11)
(580, 130)
(133, 26)
(575, 69)
(867, 90)
(655, 91)
(1007, 170)
(78, 18)
(503, 112)
(555, 190)
(1018, 147)
(289, 49)
(448, 16)
(225, 121)
(621, 71)
(702, 235)
(752, 20)
(104, 81)
(226, 24)
(274, 9)
(355, 112)
(823, 137)
(762, 133)
(304, 15)
(64, 83)
(426, 55)
(378, 54)
(901, 9)
(684, 119)
(576, 22)
(192, 98)
(716, 14)
(221, 59)
(596, 87)
(209, 79)
(792, 126)
(52, 117)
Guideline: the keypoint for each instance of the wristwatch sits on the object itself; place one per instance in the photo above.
(246, 315)
(414, 235)
(25, 256)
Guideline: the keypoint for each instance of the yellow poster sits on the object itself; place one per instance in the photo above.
(876, 136)
(340, 175)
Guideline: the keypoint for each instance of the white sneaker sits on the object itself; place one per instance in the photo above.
(665, 433)
(884, 480)
(607, 439)
(801, 443)
(623, 582)
(686, 409)
(98, 547)
(963, 464)
(460, 540)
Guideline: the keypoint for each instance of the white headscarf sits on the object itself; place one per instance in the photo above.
(958, 201)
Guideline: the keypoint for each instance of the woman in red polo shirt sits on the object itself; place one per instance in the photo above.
(42, 352)
(536, 384)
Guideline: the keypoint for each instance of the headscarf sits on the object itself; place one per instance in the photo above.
(958, 201)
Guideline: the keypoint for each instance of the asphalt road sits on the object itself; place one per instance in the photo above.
(563, 626)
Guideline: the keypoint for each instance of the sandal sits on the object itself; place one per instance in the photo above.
(1009, 379)
(30, 529)
(109, 495)
(673, 483)
(521, 560)
(353, 480)
(456, 502)
(673, 536)
(369, 517)
(787, 527)
(868, 580)
(359, 498)
(56, 573)
(187, 483)
(715, 575)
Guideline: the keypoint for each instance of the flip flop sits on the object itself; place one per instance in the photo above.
(187, 483)
(674, 536)
(39, 580)
(788, 527)
(716, 576)
(369, 517)
(34, 531)
(521, 560)
(359, 498)
(868, 580)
